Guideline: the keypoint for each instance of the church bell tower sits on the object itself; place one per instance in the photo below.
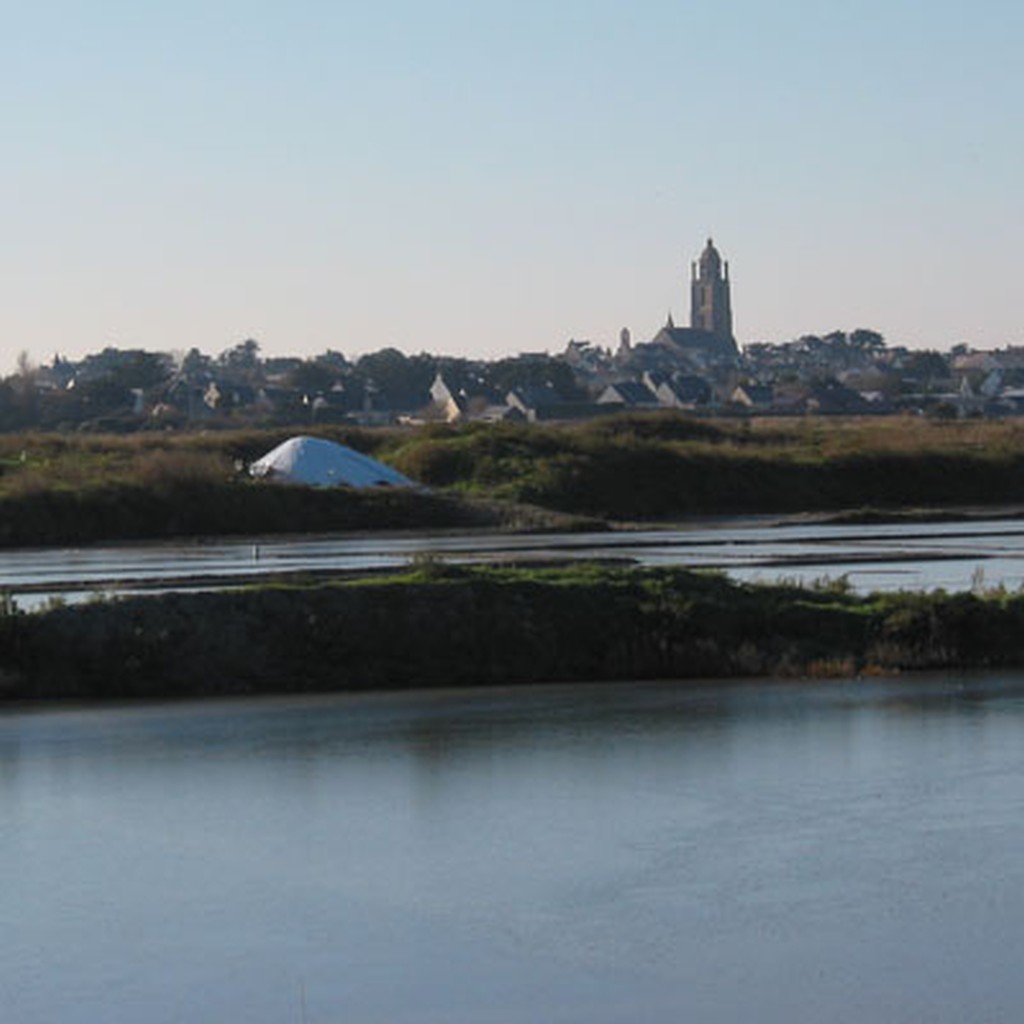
(710, 307)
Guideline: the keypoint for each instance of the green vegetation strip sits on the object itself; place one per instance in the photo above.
(57, 489)
(445, 626)
(666, 465)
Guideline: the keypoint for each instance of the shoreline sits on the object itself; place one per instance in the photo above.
(910, 684)
(812, 547)
(448, 626)
(552, 522)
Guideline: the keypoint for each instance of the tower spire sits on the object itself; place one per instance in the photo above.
(710, 305)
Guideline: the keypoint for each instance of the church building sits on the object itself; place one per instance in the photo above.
(708, 342)
(710, 305)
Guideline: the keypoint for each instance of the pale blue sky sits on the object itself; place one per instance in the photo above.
(481, 179)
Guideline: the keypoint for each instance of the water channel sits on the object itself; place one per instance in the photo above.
(953, 555)
(843, 852)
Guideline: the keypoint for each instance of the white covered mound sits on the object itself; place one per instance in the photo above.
(318, 463)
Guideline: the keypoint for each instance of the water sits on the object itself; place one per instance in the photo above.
(878, 557)
(656, 853)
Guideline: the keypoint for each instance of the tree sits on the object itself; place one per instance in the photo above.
(532, 372)
(244, 357)
(313, 375)
(19, 404)
(139, 369)
(195, 363)
(400, 381)
(926, 368)
(868, 341)
(334, 359)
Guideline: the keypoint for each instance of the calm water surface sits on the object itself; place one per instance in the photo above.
(842, 852)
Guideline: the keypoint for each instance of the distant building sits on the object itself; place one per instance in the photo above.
(630, 394)
(678, 390)
(710, 301)
(753, 396)
(707, 345)
(445, 404)
(694, 349)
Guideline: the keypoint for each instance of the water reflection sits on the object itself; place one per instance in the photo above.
(440, 726)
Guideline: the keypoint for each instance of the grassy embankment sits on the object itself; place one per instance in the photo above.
(58, 489)
(665, 466)
(72, 490)
(444, 626)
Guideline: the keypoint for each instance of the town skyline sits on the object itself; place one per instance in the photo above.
(709, 310)
(492, 180)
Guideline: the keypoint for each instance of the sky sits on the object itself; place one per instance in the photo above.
(480, 179)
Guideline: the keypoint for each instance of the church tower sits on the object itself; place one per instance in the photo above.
(710, 307)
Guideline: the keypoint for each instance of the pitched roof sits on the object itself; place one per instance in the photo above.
(693, 339)
(629, 392)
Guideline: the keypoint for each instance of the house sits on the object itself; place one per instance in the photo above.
(444, 403)
(834, 399)
(755, 397)
(678, 390)
(544, 403)
(629, 394)
(535, 403)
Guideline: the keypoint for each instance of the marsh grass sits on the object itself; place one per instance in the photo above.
(168, 469)
(661, 465)
(56, 488)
